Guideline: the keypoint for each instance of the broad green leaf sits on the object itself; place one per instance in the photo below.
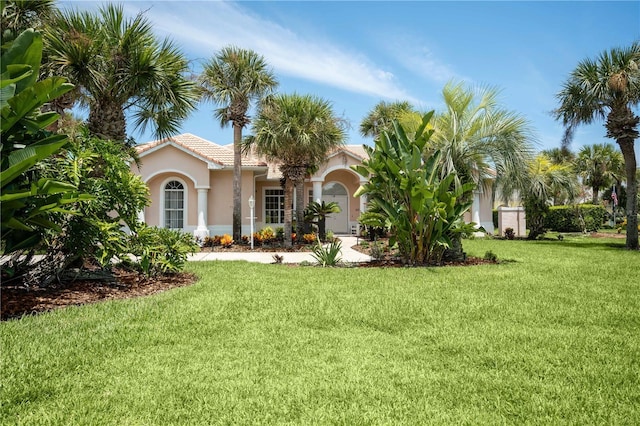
(26, 49)
(20, 161)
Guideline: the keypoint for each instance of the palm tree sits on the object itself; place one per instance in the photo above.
(479, 139)
(297, 131)
(559, 155)
(599, 165)
(234, 78)
(18, 15)
(608, 88)
(320, 212)
(565, 193)
(121, 68)
(382, 115)
(540, 183)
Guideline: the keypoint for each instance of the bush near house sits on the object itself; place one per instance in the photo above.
(580, 218)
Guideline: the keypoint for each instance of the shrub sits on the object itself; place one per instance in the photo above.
(622, 226)
(329, 255)
(257, 238)
(309, 238)
(509, 233)
(267, 235)
(580, 218)
(490, 256)
(495, 218)
(377, 250)
(226, 240)
(161, 250)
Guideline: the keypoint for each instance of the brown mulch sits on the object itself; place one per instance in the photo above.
(607, 235)
(18, 301)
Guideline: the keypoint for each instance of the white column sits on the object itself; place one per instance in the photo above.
(475, 208)
(141, 216)
(317, 190)
(202, 230)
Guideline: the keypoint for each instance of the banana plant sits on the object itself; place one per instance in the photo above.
(424, 211)
(28, 202)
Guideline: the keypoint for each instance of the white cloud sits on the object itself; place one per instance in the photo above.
(204, 27)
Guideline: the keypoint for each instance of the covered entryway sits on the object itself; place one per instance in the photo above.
(337, 193)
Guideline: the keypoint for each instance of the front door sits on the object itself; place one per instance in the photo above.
(337, 193)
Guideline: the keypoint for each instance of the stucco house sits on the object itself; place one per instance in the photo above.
(191, 180)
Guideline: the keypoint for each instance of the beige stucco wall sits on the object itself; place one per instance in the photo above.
(220, 197)
(170, 158)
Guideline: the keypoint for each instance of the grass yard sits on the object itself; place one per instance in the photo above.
(550, 337)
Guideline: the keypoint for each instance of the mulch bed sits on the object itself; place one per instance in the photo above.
(18, 301)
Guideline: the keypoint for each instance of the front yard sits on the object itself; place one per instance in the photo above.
(549, 336)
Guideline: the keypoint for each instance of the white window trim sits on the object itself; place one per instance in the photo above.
(186, 200)
(264, 204)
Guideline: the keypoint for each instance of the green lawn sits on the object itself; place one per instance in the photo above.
(550, 337)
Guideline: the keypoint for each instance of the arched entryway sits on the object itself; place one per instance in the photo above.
(337, 193)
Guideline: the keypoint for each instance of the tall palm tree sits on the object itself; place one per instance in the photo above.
(382, 115)
(234, 78)
(599, 165)
(478, 138)
(121, 69)
(608, 88)
(297, 131)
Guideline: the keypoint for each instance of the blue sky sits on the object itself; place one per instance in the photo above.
(356, 53)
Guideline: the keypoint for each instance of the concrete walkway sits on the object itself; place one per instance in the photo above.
(347, 254)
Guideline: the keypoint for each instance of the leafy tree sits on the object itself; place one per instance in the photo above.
(600, 165)
(423, 209)
(102, 168)
(234, 78)
(27, 199)
(297, 131)
(382, 115)
(121, 68)
(608, 88)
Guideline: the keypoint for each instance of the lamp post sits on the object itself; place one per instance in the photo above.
(252, 204)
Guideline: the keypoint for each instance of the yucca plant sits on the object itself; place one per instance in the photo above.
(328, 255)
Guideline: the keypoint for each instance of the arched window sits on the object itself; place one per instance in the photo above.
(174, 205)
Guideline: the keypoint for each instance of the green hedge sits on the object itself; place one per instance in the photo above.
(567, 218)
(495, 218)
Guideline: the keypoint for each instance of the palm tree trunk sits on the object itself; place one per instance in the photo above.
(594, 199)
(106, 120)
(288, 211)
(237, 177)
(628, 152)
(299, 208)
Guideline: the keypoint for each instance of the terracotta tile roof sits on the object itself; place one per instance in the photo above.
(223, 154)
(203, 148)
